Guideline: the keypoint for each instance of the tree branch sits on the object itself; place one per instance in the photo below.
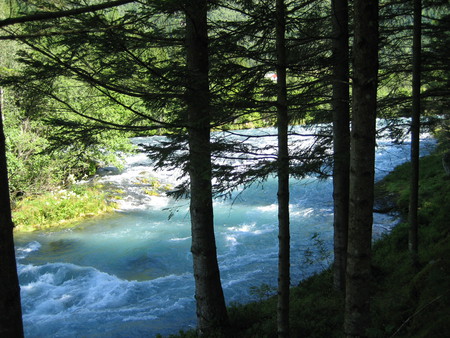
(60, 14)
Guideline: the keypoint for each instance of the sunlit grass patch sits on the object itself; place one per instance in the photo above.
(60, 207)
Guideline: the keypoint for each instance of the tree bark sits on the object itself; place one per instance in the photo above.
(283, 176)
(341, 139)
(211, 310)
(365, 68)
(10, 308)
(415, 136)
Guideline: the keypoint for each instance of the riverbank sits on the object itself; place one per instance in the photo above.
(97, 197)
(62, 208)
(406, 302)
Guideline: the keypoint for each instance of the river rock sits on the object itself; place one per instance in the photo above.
(105, 171)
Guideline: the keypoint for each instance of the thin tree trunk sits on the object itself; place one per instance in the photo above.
(415, 136)
(365, 66)
(341, 139)
(10, 308)
(211, 310)
(283, 177)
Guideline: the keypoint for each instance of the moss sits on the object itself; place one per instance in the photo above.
(151, 185)
(151, 192)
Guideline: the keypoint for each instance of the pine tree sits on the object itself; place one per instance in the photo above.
(117, 65)
(10, 306)
(341, 138)
(415, 134)
(283, 175)
(362, 167)
(211, 310)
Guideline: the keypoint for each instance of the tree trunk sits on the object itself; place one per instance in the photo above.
(415, 136)
(341, 139)
(211, 310)
(283, 177)
(365, 67)
(10, 308)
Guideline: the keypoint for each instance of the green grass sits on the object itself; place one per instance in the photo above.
(65, 208)
(61, 208)
(415, 302)
(406, 301)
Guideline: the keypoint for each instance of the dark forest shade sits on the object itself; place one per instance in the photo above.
(362, 166)
(341, 138)
(415, 134)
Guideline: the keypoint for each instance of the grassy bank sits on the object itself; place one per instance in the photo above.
(66, 207)
(411, 302)
(406, 302)
(61, 208)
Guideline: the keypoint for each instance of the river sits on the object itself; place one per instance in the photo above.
(130, 274)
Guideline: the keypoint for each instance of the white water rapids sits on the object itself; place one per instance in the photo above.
(130, 274)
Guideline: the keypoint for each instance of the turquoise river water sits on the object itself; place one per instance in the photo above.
(130, 274)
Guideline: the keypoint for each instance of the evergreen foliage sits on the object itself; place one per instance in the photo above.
(87, 80)
(128, 66)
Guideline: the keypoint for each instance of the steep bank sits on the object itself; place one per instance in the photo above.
(415, 302)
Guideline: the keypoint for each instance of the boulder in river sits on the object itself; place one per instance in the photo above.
(104, 171)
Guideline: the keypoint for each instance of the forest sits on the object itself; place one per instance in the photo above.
(79, 78)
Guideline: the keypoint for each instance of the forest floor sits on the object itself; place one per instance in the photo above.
(406, 301)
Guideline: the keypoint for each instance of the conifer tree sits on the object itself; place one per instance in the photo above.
(10, 306)
(415, 133)
(211, 310)
(283, 175)
(116, 64)
(362, 167)
(436, 56)
(341, 138)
